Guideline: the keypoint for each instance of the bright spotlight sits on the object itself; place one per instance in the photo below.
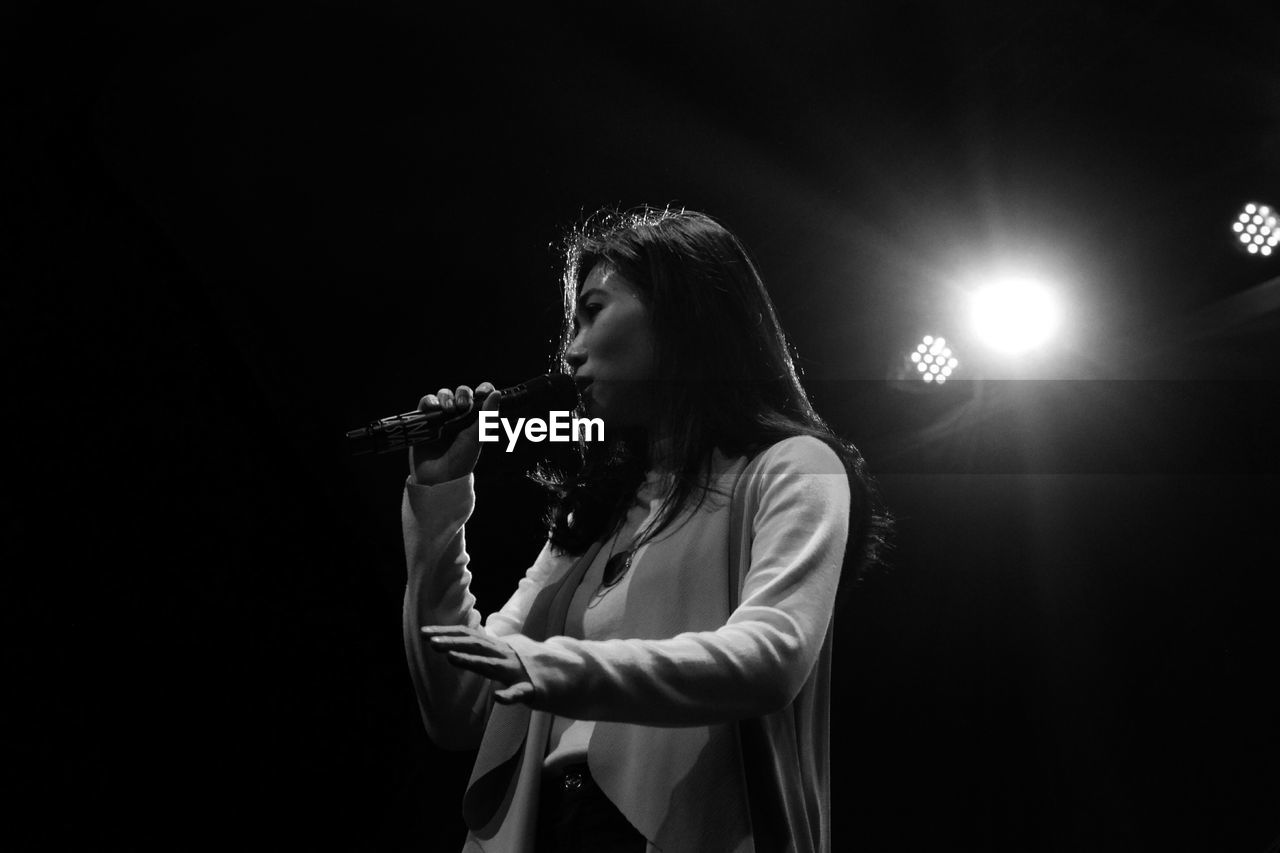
(933, 360)
(1256, 229)
(1014, 315)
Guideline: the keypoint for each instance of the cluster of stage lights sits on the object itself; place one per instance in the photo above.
(933, 359)
(1257, 229)
(1017, 314)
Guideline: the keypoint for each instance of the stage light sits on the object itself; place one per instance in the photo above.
(934, 360)
(1257, 230)
(1014, 315)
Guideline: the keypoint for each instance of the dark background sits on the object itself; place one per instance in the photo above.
(238, 230)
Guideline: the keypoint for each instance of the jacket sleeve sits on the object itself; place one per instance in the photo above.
(758, 661)
(454, 702)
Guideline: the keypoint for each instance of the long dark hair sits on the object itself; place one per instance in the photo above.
(723, 363)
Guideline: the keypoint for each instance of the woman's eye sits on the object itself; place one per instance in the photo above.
(585, 312)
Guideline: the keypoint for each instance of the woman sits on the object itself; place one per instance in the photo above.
(660, 680)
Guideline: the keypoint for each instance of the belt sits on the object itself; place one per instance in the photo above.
(574, 814)
(569, 777)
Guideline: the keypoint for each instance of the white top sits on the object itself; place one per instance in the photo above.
(596, 612)
(671, 700)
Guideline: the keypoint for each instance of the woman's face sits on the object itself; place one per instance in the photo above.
(612, 353)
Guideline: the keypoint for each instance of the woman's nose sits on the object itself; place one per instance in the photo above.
(575, 355)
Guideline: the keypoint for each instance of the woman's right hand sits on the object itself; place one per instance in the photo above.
(439, 463)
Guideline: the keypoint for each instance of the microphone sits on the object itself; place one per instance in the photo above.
(400, 432)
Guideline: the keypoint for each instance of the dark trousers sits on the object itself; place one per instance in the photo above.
(574, 816)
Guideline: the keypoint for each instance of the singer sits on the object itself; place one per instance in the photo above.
(660, 678)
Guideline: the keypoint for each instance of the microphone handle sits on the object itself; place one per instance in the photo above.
(400, 432)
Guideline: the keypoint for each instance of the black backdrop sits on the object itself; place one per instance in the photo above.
(240, 231)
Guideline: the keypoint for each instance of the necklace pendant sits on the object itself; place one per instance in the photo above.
(616, 567)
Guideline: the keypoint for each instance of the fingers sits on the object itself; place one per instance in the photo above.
(448, 400)
(460, 399)
(519, 692)
(444, 638)
(470, 645)
(449, 630)
(491, 401)
(495, 669)
(488, 667)
(477, 663)
(472, 649)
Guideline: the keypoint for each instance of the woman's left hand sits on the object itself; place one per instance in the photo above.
(474, 650)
